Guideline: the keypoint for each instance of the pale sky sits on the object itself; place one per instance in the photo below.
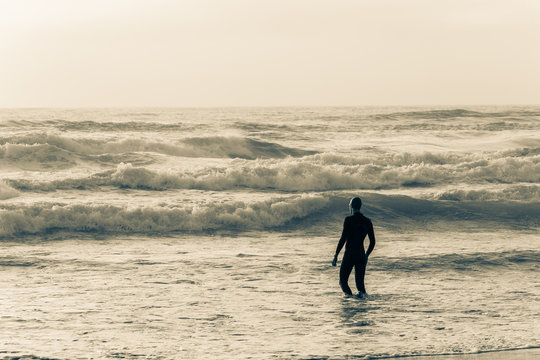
(114, 53)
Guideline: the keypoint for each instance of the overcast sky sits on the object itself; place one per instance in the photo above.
(93, 53)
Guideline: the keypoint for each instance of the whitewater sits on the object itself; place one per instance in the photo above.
(209, 232)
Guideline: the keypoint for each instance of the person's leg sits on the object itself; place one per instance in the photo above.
(360, 273)
(345, 270)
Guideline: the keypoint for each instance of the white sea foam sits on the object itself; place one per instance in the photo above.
(233, 216)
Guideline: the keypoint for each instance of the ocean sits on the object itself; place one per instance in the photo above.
(198, 233)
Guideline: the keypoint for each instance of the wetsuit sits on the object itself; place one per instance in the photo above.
(355, 229)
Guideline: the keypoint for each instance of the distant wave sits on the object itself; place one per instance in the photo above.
(263, 127)
(459, 113)
(55, 148)
(135, 126)
(106, 126)
(292, 212)
(491, 126)
(244, 148)
(323, 172)
(441, 114)
(42, 155)
(429, 120)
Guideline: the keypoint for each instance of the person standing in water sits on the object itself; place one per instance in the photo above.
(355, 229)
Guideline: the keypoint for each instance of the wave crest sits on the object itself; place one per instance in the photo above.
(231, 216)
(318, 212)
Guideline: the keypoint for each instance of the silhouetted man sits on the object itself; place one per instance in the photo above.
(355, 229)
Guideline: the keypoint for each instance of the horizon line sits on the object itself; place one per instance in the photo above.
(254, 106)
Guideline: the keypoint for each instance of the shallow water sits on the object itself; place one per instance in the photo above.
(262, 295)
(188, 233)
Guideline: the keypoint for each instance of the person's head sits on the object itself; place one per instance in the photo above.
(355, 204)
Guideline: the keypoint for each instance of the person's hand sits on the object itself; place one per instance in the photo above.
(334, 262)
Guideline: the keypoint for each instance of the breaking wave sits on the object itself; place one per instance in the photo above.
(292, 212)
(231, 216)
(324, 172)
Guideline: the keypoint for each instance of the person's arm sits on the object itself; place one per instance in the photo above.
(341, 242)
(371, 235)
